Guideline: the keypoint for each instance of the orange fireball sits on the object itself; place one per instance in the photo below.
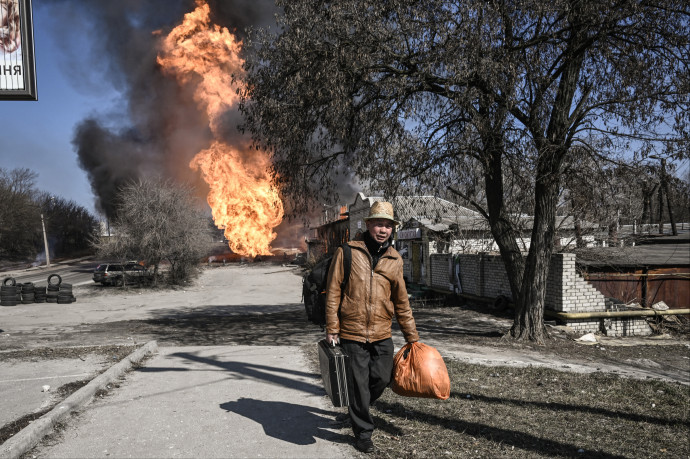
(243, 199)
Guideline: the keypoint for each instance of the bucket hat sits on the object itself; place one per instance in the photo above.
(382, 209)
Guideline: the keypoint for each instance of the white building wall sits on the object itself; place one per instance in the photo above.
(566, 291)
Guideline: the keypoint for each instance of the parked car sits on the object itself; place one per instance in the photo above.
(119, 273)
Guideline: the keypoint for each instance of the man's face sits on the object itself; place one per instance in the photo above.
(380, 229)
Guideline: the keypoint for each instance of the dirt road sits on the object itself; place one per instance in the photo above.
(260, 304)
(253, 308)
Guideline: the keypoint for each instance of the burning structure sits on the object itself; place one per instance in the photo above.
(242, 197)
(176, 70)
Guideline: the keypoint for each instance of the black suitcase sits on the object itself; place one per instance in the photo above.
(334, 369)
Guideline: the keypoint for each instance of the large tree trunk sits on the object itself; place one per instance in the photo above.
(501, 228)
(529, 311)
(552, 148)
(528, 275)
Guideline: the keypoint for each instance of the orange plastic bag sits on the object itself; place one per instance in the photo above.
(419, 371)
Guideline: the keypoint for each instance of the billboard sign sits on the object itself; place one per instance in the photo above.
(17, 61)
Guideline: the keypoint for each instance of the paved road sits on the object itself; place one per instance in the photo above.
(225, 401)
(75, 272)
(28, 386)
(210, 401)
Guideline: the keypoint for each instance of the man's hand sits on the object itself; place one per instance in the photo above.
(332, 338)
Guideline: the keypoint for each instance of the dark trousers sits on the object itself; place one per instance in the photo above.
(371, 367)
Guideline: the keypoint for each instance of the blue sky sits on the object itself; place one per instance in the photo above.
(70, 86)
(38, 134)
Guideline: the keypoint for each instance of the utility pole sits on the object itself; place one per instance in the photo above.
(45, 242)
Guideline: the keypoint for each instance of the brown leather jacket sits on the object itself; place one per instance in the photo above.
(370, 299)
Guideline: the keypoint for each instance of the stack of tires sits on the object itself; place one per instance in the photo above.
(65, 294)
(8, 292)
(53, 288)
(12, 294)
(39, 294)
(28, 293)
(19, 294)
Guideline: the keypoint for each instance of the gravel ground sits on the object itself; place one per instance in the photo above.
(231, 305)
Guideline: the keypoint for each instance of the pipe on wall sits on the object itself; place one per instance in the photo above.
(590, 315)
(602, 314)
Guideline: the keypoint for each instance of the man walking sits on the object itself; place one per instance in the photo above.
(360, 317)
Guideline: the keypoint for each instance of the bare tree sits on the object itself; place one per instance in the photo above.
(71, 228)
(156, 221)
(20, 221)
(505, 87)
(648, 185)
(679, 196)
(664, 192)
(603, 195)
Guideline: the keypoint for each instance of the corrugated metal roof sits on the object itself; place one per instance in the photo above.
(431, 207)
(432, 210)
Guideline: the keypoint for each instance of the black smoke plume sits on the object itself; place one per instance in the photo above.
(156, 127)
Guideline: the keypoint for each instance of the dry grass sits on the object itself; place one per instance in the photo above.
(12, 428)
(535, 412)
(116, 352)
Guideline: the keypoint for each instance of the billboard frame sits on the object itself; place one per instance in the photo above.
(28, 57)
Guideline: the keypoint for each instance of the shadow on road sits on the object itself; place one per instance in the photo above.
(274, 375)
(232, 325)
(294, 423)
(297, 424)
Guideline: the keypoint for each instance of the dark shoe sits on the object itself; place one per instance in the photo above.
(365, 445)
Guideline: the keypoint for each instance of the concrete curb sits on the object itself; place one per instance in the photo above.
(29, 437)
